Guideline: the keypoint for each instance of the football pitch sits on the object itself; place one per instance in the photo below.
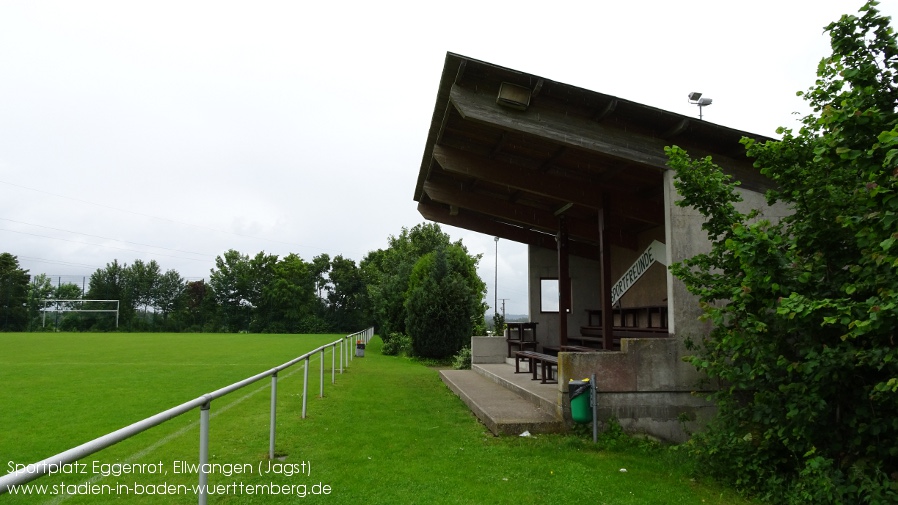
(60, 390)
(387, 432)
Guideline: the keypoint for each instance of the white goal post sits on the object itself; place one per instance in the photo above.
(62, 305)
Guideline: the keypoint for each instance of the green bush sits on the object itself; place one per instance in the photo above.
(804, 310)
(462, 360)
(395, 344)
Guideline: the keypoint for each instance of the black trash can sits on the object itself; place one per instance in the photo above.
(359, 349)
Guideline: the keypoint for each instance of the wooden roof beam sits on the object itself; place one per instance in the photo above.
(677, 129)
(520, 178)
(499, 145)
(548, 185)
(605, 111)
(525, 216)
(465, 220)
(552, 159)
(563, 130)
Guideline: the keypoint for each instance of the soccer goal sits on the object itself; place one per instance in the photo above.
(59, 305)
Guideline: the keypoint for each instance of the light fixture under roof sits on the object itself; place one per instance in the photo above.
(513, 96)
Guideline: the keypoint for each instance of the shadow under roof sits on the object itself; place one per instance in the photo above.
(510, 172)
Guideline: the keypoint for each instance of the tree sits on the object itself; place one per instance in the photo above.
(111, 283)
(387, 271)
(291, 296)
(347, 297)
(143, 282)
(198, 308)
(262, 274)
(69, 320)
(805, 310)
(167, 293)
(444, 297)
(40, 289)
(230, 283)
(13, 294)
(321, 265)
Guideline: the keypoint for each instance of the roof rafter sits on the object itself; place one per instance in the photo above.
(539, 219)
(572, 132)
(440, 214)
(546, 185)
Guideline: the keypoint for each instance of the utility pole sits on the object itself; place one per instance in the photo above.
(496, 281)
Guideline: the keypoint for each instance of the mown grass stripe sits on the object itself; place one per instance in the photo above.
(194, 425)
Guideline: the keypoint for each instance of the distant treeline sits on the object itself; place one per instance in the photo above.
(263, 293)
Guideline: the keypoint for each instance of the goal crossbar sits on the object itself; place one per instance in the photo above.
(58, 308)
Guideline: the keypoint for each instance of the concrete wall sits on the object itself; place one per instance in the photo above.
(685, 238)
(486, 350)
(644, 386)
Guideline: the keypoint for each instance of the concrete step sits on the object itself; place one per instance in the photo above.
(543, 396)
(502, 411)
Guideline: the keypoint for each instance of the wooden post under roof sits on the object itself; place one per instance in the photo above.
(564, 281)
(605, 261)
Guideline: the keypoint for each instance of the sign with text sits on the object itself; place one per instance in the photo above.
(655, 253)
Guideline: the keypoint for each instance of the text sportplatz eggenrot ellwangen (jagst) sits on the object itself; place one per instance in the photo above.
(94, 470)
(161, 468)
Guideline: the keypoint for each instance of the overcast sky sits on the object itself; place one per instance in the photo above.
(175, 131)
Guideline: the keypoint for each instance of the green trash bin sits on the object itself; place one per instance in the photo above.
(580, 393)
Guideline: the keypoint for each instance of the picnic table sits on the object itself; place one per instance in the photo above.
(516, 335)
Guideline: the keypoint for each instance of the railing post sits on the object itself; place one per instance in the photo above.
(595, 409)
(333, 364)
(321, 382)
(204, 402)
(204, 452)
(274, 403)
(305, 387)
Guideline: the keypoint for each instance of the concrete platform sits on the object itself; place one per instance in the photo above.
(505, 402)
(544, 396)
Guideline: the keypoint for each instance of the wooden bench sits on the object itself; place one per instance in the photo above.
(633, 316)
(568, 348)
(593, 334)
(586, 340)
(546, 362)
(625, 332)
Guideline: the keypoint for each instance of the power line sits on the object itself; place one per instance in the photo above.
(101, 237)
(56, 262)
(163, 218)
(102, 245)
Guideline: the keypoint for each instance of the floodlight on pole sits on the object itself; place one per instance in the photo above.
(695, 98)
(496, 280)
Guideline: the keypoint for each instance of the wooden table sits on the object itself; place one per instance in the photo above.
(517, 335)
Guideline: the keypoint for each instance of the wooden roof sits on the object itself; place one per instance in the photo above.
(510, 173)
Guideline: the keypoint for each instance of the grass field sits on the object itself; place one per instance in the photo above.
(387, 432)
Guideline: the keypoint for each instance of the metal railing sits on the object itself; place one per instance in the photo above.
(347, 347)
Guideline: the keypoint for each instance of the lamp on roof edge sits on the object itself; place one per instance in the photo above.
(695, 98)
